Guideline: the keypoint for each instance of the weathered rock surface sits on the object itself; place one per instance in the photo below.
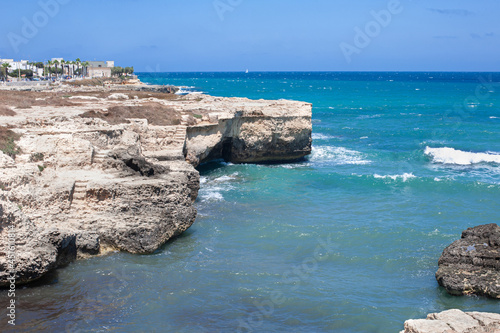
(253, 132)
(455, 321)
(82, 186)
(29, 252)
(471, 265)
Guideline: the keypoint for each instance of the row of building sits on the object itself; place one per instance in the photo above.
(94, 69)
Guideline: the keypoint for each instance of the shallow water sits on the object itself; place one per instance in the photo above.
(346, 241)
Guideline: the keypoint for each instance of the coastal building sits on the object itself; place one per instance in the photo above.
(95, 69)
(100, 68)
(15, 65)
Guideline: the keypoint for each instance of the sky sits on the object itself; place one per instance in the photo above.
(259, 35)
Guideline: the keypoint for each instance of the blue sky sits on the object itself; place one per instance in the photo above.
(261, 35)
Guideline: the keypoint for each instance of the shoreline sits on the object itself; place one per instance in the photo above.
(91, 160)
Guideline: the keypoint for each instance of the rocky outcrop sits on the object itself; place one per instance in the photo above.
(29, 252)
(455, 321)
(81, 186)
(253, 132)
(471, 265)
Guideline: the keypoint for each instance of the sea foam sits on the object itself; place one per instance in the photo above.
(212, 189)
(337, 156)
(403, 177)
(453, 156)
(320, 136)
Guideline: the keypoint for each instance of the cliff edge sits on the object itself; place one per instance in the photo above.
(88, 170)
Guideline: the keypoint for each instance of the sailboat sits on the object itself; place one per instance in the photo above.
(246, 72)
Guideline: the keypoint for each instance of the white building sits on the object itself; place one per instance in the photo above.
(15, 65)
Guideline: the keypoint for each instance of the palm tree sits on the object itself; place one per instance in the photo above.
(86, 65)
(49, 64)
(56, 62)
(78, 62)
(63, 65)
(6, 66)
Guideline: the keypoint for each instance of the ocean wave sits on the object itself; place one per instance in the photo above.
(212, 189)
(458, 157)
(186, 90)
(337, 156)
(320, 136)
(404, 177)
(369, 116)
(210, 196)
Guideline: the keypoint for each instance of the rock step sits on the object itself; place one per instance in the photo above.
(80, 190)
(166, 155)
(99, 157)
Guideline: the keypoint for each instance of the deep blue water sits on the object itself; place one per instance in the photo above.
(346, 241)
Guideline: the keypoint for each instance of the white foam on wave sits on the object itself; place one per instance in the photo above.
(320, 136)
(369, 116)
(337, 156)
(493, 117)
(212, 189)
(404, 177)
(224, 179)
(186, 90)
(211, 196)
(458, 157)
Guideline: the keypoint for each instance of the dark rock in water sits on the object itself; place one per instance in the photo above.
(471, 265)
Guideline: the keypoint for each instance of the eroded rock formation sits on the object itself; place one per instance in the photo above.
(471, 265)
(81, 186)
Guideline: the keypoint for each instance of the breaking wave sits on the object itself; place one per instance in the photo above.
(459, 157)
(337, 156)
(404, 177)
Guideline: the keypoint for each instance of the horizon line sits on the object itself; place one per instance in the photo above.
(319, 71)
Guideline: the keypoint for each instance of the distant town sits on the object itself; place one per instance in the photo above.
(58, 69)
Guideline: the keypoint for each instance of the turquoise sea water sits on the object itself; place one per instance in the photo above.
(346, 241)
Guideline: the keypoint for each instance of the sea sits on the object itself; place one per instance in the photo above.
(347, 240)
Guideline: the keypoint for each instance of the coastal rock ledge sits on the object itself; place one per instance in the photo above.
(92, 173)
(455, 321)
(471, 265)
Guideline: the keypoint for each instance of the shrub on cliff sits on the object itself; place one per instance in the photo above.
(8, 140)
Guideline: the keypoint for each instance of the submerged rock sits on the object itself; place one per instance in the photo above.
(471, 265)
(455, 321)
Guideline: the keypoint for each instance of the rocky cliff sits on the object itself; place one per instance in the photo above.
(97, 170)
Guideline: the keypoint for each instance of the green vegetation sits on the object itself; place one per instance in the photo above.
(199, 116)
(4, 70)
(27, 72)
(41, 167)
(119, 71)
(8, 140)
(36, 157)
